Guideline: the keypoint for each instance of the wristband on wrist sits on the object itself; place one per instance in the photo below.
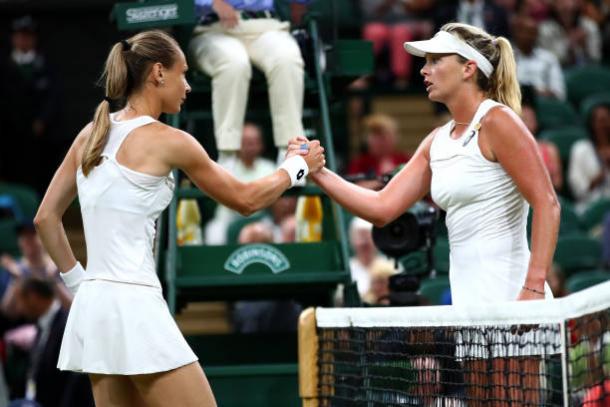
(73, 277)
(533, 290)
(297, 170)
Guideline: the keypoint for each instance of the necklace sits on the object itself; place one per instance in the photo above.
(463, 124)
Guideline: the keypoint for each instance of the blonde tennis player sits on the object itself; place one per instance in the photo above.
(119, 330)
(483, 168)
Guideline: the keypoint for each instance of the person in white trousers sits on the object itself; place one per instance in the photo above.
(232, 35)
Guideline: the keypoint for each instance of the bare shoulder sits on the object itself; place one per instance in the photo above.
(426, 144)
(81, 141)
(175, 146)
(170, 137)
(501, 120)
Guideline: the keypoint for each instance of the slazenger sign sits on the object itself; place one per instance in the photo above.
(152, 13)
(257, 253)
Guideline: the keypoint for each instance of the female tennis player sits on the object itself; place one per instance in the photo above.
(119, 330)
(483, 168)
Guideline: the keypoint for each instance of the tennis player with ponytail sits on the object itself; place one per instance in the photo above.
(483, 168)
(120, 330)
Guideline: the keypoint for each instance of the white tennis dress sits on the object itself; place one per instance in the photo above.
(119, 322)
(486, 217)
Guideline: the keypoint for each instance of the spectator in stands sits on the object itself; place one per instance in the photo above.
(569, 34)
(264, 316)
(537, 9)
(589, 168)
(389, 24)
(248, 167)
(379, 291)
(34, 121)
(46, 384)
(536, 66)
(599, 11)
(365, 253)
(484, 14)
(382, 155)
(231, 35)
(288, 229)
(35, 263)
(548, 151)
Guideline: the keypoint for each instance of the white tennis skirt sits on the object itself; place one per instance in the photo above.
(124, 329)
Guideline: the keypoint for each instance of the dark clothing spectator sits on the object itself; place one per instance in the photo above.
(369, 164)
(484, 14)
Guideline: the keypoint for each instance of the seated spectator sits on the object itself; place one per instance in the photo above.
(249, 166)
(35, 262)
(391, 23)
(46, 384)
(539, 10)
(365, 253)
(484, 14)
(288, 229)
(382, 155)
(548, 151)
(569, 34)
(536, 66)
(264, 316)
(379, 291)
(589, 170)
(231, 35)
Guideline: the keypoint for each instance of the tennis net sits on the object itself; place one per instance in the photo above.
(531, 353)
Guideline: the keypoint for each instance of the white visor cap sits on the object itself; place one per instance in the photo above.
(446, 43)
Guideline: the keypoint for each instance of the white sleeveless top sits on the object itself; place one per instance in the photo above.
(119, 208)
(486, 217)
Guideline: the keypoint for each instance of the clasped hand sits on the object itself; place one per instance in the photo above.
(312, 152)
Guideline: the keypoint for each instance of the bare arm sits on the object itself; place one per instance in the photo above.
(59, 196)
(381, 207)
(186, 153)
(506, 140)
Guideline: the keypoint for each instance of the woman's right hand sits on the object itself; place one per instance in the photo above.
(315, 158)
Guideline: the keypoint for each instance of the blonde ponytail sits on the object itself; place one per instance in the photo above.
(125, 72)
(115, 74)
(502, 86)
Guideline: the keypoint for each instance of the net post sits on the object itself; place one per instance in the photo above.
(308, 358)
(564, 363)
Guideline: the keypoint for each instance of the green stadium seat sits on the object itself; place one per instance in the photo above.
(587, 105)
(441, 256)
(584, 81)
(433, 289)
(415, 263)
(586, 279)
(564, 138)
(8, 238)
(594, 213)
(553, 113)
(26, 197)
(575, 253)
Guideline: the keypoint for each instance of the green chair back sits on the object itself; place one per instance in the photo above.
(8, 238)
(591, 102)
(586, 279)
(553, 113)
(575, 253)
(594, 213)
(584, 81)
(564, 138)
(26, 197)
(433, 289)
(441, 256)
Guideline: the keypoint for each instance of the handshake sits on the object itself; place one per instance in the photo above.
(300, 153)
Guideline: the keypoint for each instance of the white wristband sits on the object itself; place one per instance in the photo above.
(297, 170)
(73, 277)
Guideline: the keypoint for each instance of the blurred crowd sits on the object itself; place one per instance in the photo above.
(550, 39)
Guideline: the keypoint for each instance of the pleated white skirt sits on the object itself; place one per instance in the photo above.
(121, 328)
